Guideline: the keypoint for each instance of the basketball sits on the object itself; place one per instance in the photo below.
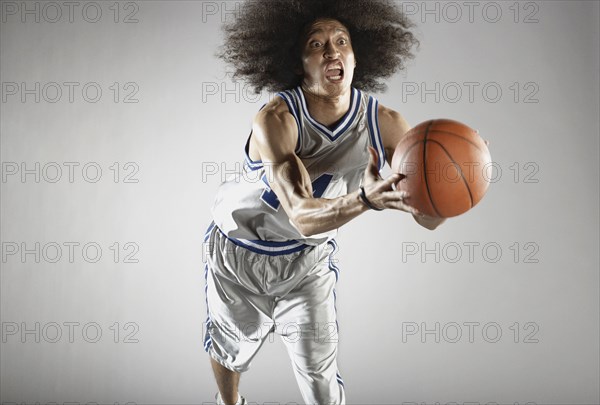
(447, 167)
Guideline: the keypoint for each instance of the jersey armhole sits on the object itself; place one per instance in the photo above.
(252, 164)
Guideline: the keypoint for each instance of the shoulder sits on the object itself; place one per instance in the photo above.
(275, 112)
(275, 124)
(392, 127)
(391, 119)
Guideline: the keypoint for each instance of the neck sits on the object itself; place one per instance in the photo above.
(327, 109)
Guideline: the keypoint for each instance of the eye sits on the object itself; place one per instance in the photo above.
(316, 44)
(342, 41)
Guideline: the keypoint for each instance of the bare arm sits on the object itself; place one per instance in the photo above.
(393, 127)
(274, 134)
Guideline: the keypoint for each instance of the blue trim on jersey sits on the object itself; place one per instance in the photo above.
(339, 379)
(208, 323)
(258, 164)
(320, 184)
(374, 133)
(251, 164)
(332, 265)
(208, 231)
(269, 248)
(293, 108)
(336, 271)
(268, 196)
(347, 121)
(379, 139)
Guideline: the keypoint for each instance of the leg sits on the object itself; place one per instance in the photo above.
(238, 319)
(227, 381)
(306, 320)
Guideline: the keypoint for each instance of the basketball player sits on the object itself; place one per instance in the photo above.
(312, 164)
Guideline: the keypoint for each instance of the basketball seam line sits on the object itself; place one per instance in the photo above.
(448, 133)
(425, 168)
(461, 172)
(408, 150)
(458, 136)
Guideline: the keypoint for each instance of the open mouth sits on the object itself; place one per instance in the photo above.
(335, 73)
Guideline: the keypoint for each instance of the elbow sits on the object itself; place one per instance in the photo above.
(304, 227)
(312, 218)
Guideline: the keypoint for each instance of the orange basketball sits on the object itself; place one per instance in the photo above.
(446, 164)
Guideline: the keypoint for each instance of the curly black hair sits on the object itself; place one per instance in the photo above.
(262, 44)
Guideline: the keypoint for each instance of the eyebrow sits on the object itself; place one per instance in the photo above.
(317, 30)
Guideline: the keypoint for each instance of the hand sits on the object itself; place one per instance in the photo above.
(381, 192)
(428, 222)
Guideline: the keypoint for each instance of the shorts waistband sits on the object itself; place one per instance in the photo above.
(268, 247)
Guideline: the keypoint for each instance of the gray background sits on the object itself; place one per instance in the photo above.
(533, 268)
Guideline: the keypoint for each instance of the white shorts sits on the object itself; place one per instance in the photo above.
(250, 295)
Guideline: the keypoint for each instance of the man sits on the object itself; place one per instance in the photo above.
(316, 151)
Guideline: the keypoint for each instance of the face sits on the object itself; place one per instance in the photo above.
(327, 58)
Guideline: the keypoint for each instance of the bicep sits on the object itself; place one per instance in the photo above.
(393, 127)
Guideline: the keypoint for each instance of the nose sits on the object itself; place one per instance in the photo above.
(331, 51)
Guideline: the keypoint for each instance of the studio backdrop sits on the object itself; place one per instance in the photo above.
(118, 124)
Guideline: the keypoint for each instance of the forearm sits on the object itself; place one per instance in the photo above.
(313, 216)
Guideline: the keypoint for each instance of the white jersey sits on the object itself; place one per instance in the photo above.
(248, 212)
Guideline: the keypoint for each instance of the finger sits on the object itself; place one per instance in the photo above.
(395, 195)
(397, 200)
(402, 206)
(389, 182)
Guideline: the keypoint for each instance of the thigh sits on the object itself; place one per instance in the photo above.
(306, 320)
(239, 320)
(306, 317)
